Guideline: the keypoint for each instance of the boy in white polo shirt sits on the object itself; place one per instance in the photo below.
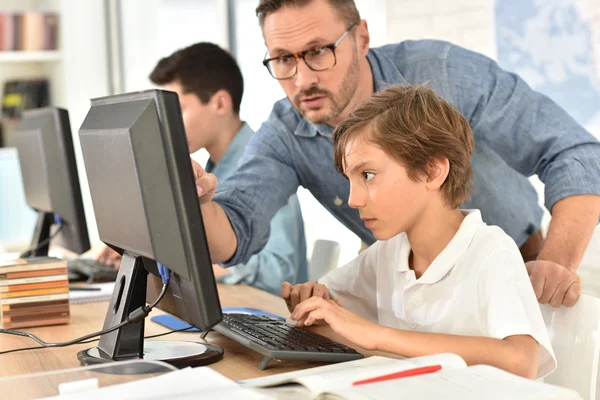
(438, 279)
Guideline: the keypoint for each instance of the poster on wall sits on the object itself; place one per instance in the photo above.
(555, 46)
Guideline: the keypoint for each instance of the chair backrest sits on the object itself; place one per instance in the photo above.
(324, 258)
(575, 337)
(590, 276)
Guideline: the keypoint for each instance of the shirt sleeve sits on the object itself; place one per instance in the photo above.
(355, 284)
(508, 305)
(283, 258)
(261, 185)
(527, 129)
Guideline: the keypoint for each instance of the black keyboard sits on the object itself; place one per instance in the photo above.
(82, 269)
(276, 339)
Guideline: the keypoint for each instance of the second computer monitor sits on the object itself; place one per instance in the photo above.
(50, 180)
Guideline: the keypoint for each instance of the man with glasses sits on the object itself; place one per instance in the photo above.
(319, 52)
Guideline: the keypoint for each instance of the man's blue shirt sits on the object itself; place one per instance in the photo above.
(518, 133)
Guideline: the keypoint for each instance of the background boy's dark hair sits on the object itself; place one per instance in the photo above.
(415, 126)
(202, 69)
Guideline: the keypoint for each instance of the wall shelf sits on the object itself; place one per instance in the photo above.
(30, 56)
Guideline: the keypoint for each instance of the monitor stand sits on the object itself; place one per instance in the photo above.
(40, 235)
(128, 342)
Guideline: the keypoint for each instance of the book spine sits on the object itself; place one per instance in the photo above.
(34, 286)
(9, 32)
(36, 279)
(51, 31)
(2, 30)
(33, 311)
(18, 29)
(20, 318)
(35, 299)
(30, 293)
(34, 304)
(30, 260)
(34, 273)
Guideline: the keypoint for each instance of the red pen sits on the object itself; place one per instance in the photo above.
(401, 374)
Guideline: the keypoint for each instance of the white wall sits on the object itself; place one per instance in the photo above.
(85, 64)
(152, 29)
(468, 23)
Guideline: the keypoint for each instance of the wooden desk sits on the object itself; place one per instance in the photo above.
(238, 363)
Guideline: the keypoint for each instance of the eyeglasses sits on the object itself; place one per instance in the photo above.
(317, 59)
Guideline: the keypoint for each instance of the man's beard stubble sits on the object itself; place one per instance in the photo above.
(338, 102)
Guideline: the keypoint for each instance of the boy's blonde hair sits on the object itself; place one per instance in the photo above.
(415, 126)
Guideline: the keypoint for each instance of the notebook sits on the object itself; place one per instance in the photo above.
(454, 380)
(103, 293)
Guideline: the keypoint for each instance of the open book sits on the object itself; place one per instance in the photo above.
(454, 380)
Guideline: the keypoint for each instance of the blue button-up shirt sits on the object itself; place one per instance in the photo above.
(518, 133)
(284, 256)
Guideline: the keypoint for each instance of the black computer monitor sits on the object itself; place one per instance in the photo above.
(51, 182)
(146, 206)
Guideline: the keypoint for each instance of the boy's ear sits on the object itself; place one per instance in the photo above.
(221, 102)
(438, 171)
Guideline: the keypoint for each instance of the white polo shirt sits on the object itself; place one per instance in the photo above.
(477, 286)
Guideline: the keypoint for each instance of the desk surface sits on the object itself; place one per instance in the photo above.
(238, 363)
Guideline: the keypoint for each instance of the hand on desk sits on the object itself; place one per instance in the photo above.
(109, 257)
(554, 284)
(358, 330)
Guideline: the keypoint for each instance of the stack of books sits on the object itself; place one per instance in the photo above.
(34, 292)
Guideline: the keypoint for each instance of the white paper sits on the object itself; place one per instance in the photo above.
(188, 383)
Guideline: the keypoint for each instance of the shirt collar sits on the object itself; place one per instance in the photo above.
(385, 73)
(235, 150)
(444, 262)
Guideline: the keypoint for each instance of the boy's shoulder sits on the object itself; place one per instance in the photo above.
(490, 238)
(489, 246)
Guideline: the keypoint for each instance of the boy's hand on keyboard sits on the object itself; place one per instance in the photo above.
(109, 257)
(358, 330)
(294, 295)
